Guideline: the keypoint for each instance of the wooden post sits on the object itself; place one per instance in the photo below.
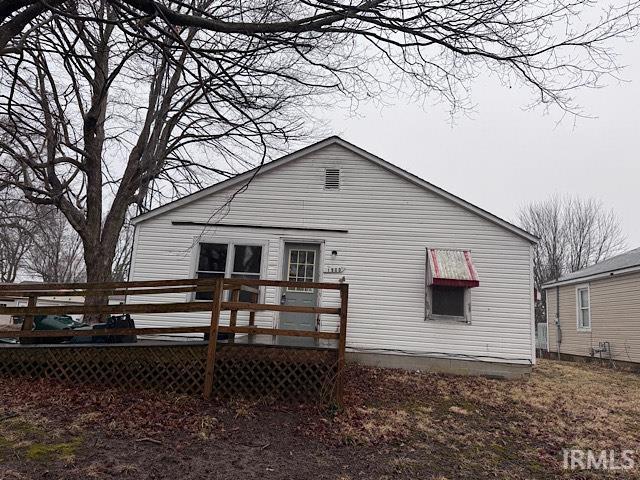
(252, 318)
(342, 340)
(233, 316)
(27, 321)
(213, 338)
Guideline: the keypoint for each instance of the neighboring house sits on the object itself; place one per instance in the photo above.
(42, 302)
(47, 302)
(435, 282)
(596, 311)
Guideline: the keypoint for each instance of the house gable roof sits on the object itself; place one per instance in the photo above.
(261, 170)
(625, 262)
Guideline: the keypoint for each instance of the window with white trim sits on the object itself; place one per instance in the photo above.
(302, 264)
(584, 308)
(217, 260)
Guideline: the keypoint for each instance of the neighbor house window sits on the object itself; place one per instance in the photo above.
(584, 308)
(217, 260)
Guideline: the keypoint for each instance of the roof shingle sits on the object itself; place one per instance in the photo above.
(619, 262)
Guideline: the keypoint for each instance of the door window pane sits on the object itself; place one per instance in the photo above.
(448, 301)
(301, 268)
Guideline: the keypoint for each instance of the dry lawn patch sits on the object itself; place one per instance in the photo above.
(395, 424)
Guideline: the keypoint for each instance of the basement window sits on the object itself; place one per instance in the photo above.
(332, 179)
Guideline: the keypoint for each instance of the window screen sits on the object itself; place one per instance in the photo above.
(448, 301)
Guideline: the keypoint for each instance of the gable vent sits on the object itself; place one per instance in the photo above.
(332, 179)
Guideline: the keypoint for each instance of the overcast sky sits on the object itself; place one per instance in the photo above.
(505, 156)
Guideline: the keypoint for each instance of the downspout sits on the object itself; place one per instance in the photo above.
(558, 329)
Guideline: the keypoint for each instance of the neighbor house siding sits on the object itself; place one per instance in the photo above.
(390, 223)
(615, 317)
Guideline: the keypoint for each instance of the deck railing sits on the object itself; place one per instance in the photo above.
(154, 287)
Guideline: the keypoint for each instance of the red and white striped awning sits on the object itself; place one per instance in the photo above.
(451, 268)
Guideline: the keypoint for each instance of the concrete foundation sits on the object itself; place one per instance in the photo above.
(606, 362)
(441, 365)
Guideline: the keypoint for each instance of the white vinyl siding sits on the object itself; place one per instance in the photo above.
(380, 225)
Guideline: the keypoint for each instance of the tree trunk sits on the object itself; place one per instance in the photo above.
(98, 259)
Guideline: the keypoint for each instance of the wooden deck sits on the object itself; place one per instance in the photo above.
(255, 361)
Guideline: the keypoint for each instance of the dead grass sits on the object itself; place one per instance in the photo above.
(413, 425)
(517, 429)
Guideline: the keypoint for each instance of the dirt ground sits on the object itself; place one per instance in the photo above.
(395, 424)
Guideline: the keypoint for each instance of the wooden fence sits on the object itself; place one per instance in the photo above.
(215, 306)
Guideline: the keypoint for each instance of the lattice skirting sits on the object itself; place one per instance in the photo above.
(240, 370)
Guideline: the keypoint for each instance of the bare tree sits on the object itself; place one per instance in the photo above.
(124, 250)
(37, 242)
(593, 233)
(546, 220)
(95, 121)
(55, 250)
(108, 105)
(15, 238)
(574, 233)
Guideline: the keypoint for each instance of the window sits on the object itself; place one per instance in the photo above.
(213, 262)
(246, 264)
(332, 179)
(448, 301)
(584, 310)
(301, 268)
(449, 278)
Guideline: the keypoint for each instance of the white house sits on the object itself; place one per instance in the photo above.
(435, 282)
(17, 301)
